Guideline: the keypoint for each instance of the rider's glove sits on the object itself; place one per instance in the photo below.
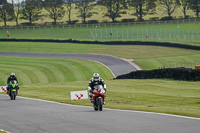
(105, 89)
(91, 91)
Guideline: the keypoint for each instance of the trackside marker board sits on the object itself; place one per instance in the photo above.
(78, 95)
(3, 88)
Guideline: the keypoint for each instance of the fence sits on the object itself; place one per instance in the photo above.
(144, 34)
(102, 24)
(190, 64)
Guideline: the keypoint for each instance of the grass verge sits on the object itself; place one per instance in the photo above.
(165, 96)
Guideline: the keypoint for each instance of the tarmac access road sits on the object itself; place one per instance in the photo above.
(25, 115)
(116, 65)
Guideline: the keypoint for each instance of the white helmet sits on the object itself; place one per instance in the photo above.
(12, 75)
(96, 77)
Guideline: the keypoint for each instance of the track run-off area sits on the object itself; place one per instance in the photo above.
(26, 115)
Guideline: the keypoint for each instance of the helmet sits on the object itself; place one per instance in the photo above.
(96, 77)
(12, 75)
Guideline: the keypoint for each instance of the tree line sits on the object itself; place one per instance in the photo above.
(31, 10)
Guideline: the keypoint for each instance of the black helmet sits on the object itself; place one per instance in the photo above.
(12, 75)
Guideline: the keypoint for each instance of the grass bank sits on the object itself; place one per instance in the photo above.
(187, 32)
(49, 70)
(147, 57)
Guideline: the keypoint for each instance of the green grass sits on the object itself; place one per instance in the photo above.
(188, 32)
(47, 47)
(2, 131)
(147, 57)
(188, 61)
(166, 96)
(49, 70)
(54, 78)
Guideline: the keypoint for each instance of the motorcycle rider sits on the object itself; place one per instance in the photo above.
(11, 77)
(95, 80)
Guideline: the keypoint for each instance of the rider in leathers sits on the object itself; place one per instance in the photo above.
(11, 77)
(95, 80)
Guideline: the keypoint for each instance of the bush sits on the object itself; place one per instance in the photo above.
(166, 18)
(28, 24)
(128, 20)
(186, 74)
(154, 18)
(123, 12)
(92, 22)
(74, 21)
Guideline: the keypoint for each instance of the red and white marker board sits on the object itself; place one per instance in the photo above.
(78, 95)
(3, 88)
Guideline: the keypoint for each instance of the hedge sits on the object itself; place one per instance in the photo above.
(185, 74)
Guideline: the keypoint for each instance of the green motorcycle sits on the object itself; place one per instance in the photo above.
(12, 91)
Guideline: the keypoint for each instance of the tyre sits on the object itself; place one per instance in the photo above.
(100, 103)
(95, 107)
(13, 95)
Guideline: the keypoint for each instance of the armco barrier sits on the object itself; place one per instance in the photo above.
(185, 74)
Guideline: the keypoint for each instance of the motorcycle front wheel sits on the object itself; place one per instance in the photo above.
(100, 103)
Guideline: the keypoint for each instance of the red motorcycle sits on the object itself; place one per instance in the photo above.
(98, 97)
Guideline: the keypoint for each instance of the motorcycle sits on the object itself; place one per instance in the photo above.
(98, 97)
(12, 92)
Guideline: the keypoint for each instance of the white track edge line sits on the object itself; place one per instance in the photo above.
(131, 111)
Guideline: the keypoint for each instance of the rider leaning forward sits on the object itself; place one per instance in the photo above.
(11, 77)
(95, 80)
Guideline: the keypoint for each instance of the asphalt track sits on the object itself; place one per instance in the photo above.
(117, 66)
(25, 115)
(36, 116)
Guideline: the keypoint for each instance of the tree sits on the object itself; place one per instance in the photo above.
(113, 7)
(195, 6)
(143, 7)
(185, 7)
(85, 7)
(32, 10)
(69, 9)
(6, 12)
(170, 5)
(55, 9)
(16, 4)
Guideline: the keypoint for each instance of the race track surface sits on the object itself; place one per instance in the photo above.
(26, 115)
(116, 65)
(34, 116)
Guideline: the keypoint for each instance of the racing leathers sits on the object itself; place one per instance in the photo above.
(92, 83)
(8, 82)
